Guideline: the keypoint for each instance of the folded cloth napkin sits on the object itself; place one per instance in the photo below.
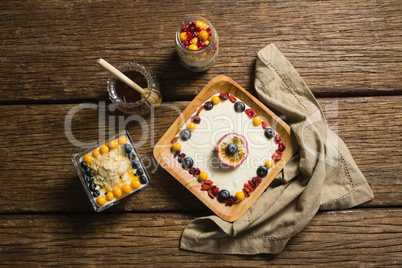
(321, 175)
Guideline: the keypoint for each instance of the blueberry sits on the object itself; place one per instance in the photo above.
(87, 171)
(127, 148)
(143, 179)
(89, 179)
(239, 107)
(185, 134)
(83, 164)
(92, 187)
(96, 193)
(188, 162)
(132, 156)
(262, 171)
(223, 195)
(135, 164)
(231, 149)
(208, 105)
(269, 133)
(140, 171)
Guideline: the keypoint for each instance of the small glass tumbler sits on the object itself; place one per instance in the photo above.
(202, 59)
(126, 99)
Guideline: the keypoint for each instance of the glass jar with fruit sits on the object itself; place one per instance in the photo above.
(197, 43)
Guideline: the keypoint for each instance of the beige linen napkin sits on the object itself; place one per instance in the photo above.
(321, 175)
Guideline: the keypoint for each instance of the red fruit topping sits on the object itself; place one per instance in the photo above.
(196, 119)
(175, 139)
(230, 201)
(281, 147)
(264, 125)
(245, 193)
(177, 153)
(224, 95)
(250, 113)
(211, 194)
(215, 191)
(232, 99)
(277, 139)
(191, 170)
(200, 109)
(276, 157)
(208, 182)
(181, 157)
(197, 172)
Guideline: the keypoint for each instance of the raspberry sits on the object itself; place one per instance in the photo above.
(281, 147)
(196, 119)
(250, 113)
(277, 139)
(224, 95)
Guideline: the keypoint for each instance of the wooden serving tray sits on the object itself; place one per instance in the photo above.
(164, 155)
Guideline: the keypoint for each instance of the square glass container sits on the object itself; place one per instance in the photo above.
(111, 171)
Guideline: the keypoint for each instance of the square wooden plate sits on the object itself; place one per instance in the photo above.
(164, 156)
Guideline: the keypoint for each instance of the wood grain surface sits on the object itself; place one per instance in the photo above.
(53, 101)
(54, 185)
(49, 48)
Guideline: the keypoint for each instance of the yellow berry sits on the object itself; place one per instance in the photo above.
(191, 126)
(117, 192)
(257, 121)
(88, 158)
(193, 47)
(269, 163)
(135, 184)
(113, 144)
(109, 196)
(204, 35)
(206, 42)
(104, 149)
(176, 146)
(183, 36)
(200, 24)
(95, 154)
(195, 40)
(215, 100)
(101, 200)
(239, 196)
(126, 188)
(203, 176)
(122, 140)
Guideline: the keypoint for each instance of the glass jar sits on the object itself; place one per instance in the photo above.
(202, 59)
(127, 100)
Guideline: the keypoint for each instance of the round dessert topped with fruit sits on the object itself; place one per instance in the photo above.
(227, 147)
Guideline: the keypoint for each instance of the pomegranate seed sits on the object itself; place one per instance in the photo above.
(277, 139)
(196, 119)
(224, 95)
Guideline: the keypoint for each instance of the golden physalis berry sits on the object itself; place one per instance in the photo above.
(109, 196)
(191, 126)
(203, 176)
(194, 40)
(257, 121)
(122, 140)
(269, 163)
(117, 192)
(200, 24)
(101, 200)
(215, 100)
(239, 196)
(104, 149)
(95, 154)
(114, 144)
(176, 146)
(204, 35)
(135, 184)
(126, 188)
(88, 158)
(193, 47)
(183, 36)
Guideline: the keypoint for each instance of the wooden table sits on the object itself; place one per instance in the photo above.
(349, 53)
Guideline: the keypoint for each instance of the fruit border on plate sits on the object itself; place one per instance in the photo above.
(111, 171)
(167, 156)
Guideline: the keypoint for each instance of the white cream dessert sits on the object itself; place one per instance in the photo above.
(200, 140)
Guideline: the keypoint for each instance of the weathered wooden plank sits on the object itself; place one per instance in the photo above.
(352, 238)
(37, 175)
(49, 48)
